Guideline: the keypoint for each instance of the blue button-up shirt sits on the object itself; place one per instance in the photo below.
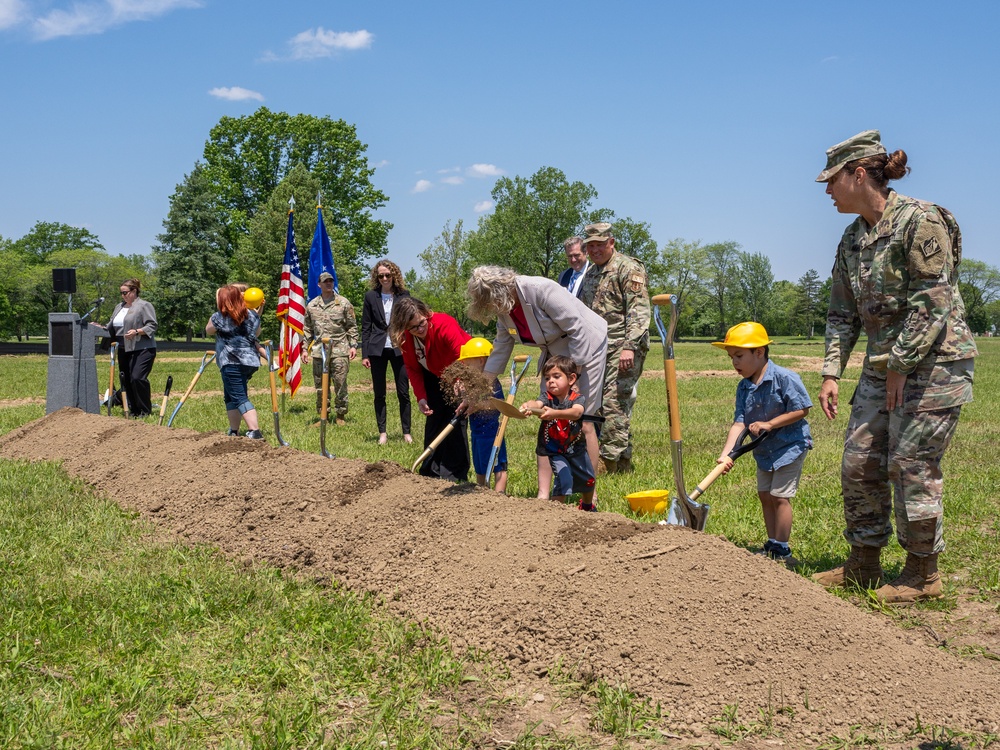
(780, 391)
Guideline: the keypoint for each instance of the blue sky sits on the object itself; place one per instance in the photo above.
(709, 120)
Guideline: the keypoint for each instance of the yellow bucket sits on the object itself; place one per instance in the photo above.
(650, 502)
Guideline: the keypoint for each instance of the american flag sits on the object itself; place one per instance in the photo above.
(291, 312)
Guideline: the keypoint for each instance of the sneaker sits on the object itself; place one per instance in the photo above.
(232, 433)
(783, 553)
(765, 551)
(589, 507)
(255, 434)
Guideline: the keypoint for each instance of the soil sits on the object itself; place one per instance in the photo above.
(684, 618)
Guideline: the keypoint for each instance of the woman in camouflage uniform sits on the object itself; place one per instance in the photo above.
(895, 277)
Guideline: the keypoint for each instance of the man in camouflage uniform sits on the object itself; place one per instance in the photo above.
(330, 314)
(615, 288)
(896, 278)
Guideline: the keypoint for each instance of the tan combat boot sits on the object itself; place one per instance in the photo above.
(919, 580)
(862, 568)
(606, 466)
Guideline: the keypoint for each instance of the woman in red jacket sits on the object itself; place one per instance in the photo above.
(430, 342)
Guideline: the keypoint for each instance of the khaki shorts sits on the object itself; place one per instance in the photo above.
(783, 481)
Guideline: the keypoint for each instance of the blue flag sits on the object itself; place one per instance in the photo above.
(320, 257)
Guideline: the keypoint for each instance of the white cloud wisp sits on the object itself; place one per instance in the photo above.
(236, 94)
(98, 17)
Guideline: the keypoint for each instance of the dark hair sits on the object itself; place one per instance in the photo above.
(405, 309)
(882, 167)
(132, 284)
(559, 362)
(398, 284)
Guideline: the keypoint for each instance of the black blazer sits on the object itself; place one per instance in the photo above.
(373, 327)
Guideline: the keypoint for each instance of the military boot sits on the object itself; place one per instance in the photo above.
(919, 580)
(624, 465)
(606, 466)
(862, 568)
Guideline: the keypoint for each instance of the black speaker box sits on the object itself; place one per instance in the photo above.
(64, 280)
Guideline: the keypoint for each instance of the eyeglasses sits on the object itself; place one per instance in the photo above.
(125, 291)
(385, 275)
(417, 326)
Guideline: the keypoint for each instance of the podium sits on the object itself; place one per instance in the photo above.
(72, 377)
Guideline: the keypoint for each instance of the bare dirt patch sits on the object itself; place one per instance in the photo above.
(699, 626)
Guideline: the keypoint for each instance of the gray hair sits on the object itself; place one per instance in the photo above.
(573, 241)
(491, 292)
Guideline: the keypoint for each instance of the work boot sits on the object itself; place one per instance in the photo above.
(862, 568)
(919, 580)
(606, 466)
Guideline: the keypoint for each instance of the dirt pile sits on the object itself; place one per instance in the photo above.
(684, 618)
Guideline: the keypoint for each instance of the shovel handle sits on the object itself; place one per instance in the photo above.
(166, 394)
(435, 443)
(662, 299)
(205, 359)
(705, 483)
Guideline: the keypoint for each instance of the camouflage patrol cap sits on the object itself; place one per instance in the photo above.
(866, 143)
(597, 232)
(325, 276)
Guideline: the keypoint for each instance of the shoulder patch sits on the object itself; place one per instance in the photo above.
(930, 246)
(636, 282)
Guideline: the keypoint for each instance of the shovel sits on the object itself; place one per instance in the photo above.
(684, 511)
(514, 382)
(166, 395)
(326, 398)
(438, 440)
(205, 359)
(742, 446)
(508, 409)
(272, 368)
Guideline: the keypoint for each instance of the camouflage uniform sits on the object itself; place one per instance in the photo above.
(618, 292)
(335, 319)
(899, 282)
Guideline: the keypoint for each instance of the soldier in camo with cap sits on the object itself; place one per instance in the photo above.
(330, 314)
(896, 278)
(615, 288)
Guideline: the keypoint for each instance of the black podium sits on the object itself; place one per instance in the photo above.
(72, 378)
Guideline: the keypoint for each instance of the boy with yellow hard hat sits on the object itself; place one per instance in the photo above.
(769, 398)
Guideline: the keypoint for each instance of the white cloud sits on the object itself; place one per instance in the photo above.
(380, 164)
(98, 17)
(312, 44)
(450, 170)
(483, 206)
(235, 93)
(484, 170)
(830, 59)
(422, 186)
(453, 180)
(12, 12)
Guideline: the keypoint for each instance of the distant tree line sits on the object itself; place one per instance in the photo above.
(228, 217)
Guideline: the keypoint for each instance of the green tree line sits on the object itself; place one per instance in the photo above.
(228, 216)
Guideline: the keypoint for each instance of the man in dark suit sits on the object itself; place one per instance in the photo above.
(572, 277)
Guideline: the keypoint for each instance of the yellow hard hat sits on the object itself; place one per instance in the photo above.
(476, 347)
(253, 297)
(745, 336)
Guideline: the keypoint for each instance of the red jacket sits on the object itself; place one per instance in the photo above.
(442, 345)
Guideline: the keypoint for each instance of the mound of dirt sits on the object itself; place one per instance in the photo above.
(684, 618)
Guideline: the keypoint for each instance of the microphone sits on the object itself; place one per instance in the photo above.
(96, 305)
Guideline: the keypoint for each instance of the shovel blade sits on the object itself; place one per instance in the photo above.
(688, 513)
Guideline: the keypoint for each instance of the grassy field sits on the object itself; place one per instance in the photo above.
(111, 639)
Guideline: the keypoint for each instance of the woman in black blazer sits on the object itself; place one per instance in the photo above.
(377, 351)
